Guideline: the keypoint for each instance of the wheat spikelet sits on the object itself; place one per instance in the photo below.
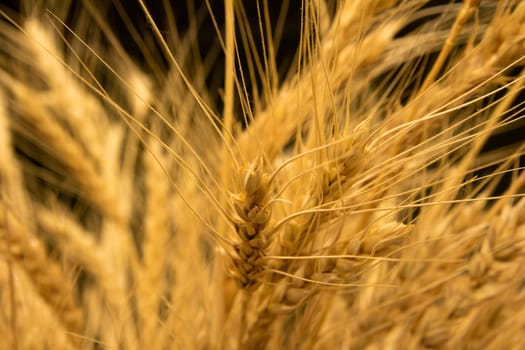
(156, 237)
(24, 248)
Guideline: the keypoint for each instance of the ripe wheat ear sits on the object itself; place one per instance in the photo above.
(351, 204)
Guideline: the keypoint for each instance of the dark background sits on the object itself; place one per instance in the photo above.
(207, 39)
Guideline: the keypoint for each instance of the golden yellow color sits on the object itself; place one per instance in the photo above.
(351, 205)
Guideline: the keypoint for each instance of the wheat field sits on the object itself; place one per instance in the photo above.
(346, 200)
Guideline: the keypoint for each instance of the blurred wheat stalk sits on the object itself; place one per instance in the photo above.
(349, 213)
